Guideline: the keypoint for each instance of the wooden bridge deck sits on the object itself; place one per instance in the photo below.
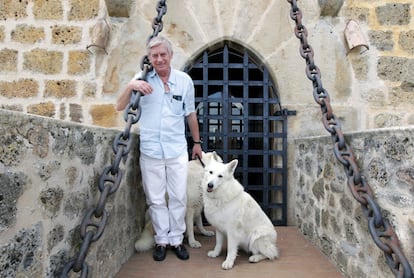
(298, 258)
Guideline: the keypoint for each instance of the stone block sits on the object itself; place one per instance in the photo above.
(79, 62)
(357, 13)
(43, 61)
(22, 254)
(60, 88)
(48, 9)
(83, 10)
(51, 199)
(2, 35)
(22, 88)
(406, 41)
(46, 109)
(392, 68)
(118, 8)
(28, 34)
(104, 115)
(393, 14)
(8, 60)
(11, 9)
(12, 187)
(386, 120)
(66, 34)
(382, 40)
(89, 89)
(75, 112)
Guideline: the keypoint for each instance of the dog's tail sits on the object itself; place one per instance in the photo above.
(266, 245)
(146, 241)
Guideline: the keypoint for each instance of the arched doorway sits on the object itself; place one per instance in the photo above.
(241, 117)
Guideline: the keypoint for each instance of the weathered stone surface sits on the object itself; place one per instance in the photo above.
(393, 14)
(382, 40)
(27, 34)
(8, 60)
(75, 113)
(11, 9)
(406, 41)
(336, 222)
(2, 33)
(82, 10)
(104, 115)
(66, 34)
(79, 62)
(119, 8)
(53, 193)
(50, 199)
(43, 61)
(22, 255)
(46, 109)
(330, 7)
(60, 88)
(48, 9)
(12, 186)
(22, 88)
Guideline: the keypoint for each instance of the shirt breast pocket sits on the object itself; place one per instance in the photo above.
(177, 105)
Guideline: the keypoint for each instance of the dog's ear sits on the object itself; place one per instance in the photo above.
(232, 165)
(216, 157)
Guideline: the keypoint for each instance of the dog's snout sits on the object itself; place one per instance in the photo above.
(210, 185)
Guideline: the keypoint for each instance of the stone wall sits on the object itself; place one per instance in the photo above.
(45, 68)
(49, 175)
(327, 213)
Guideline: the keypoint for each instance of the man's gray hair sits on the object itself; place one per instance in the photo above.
(157, 40)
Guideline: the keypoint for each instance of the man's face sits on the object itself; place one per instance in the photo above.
(160, 58)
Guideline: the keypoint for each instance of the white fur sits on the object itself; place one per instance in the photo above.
(194, 207)
(236, 216)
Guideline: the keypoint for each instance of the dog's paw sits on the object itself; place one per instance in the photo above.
(227, 264)
(194, 244)
(213, 254)
(208, 233)
(256, 258)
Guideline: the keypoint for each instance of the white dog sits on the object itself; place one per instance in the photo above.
(194, 206)
(236, 216)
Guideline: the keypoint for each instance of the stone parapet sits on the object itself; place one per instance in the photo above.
(49, 177)
(327, 213)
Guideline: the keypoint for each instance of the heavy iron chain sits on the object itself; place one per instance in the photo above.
(94, 222)
(380, 229)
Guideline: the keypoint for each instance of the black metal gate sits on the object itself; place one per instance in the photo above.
(241, 117)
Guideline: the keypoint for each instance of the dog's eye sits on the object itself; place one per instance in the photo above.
(211, 172)
(220, 176)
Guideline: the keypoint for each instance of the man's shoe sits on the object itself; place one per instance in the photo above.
(181, 252)
(159, 253)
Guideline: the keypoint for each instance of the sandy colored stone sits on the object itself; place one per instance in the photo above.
(13, 9)
(62, 34)
(60, 88)
(22, 88)
(28, 34)
(43, 61)
(47, 9)
(46, 109)
(79, 62)
(83, 10)
(104, 115)
(8, 60)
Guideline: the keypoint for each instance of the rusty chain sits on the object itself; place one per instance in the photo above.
(380, 229)
(94, 222)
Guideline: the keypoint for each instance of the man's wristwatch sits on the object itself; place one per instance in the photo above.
(198, 142)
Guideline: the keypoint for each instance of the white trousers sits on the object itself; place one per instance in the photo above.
(161, 176)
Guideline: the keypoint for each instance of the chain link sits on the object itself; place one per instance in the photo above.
(94, 222)
(381, 231)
